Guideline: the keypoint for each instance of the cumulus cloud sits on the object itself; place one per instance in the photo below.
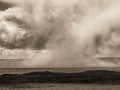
(61, 33)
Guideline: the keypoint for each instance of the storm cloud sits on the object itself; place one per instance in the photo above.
(61, 33)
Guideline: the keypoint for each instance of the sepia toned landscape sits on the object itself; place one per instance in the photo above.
(59, 44)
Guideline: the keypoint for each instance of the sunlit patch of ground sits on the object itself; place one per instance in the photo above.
(60, 87)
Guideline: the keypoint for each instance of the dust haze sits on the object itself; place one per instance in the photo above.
(60, 33)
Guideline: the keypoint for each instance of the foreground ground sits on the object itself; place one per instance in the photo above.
(60, 87)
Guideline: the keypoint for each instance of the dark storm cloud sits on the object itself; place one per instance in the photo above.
(4, 5)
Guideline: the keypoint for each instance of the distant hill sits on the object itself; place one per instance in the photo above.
(109, 58)
(88, 77)
(114, 60)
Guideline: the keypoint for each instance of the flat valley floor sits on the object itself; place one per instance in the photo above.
(60, 87)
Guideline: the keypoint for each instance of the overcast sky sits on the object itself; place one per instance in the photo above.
(59, 33)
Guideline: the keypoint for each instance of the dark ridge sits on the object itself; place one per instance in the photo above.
(4, 6)
(110, 58)
(10, 59)
(88, 77)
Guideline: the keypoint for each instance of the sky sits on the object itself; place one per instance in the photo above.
(59, 33)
